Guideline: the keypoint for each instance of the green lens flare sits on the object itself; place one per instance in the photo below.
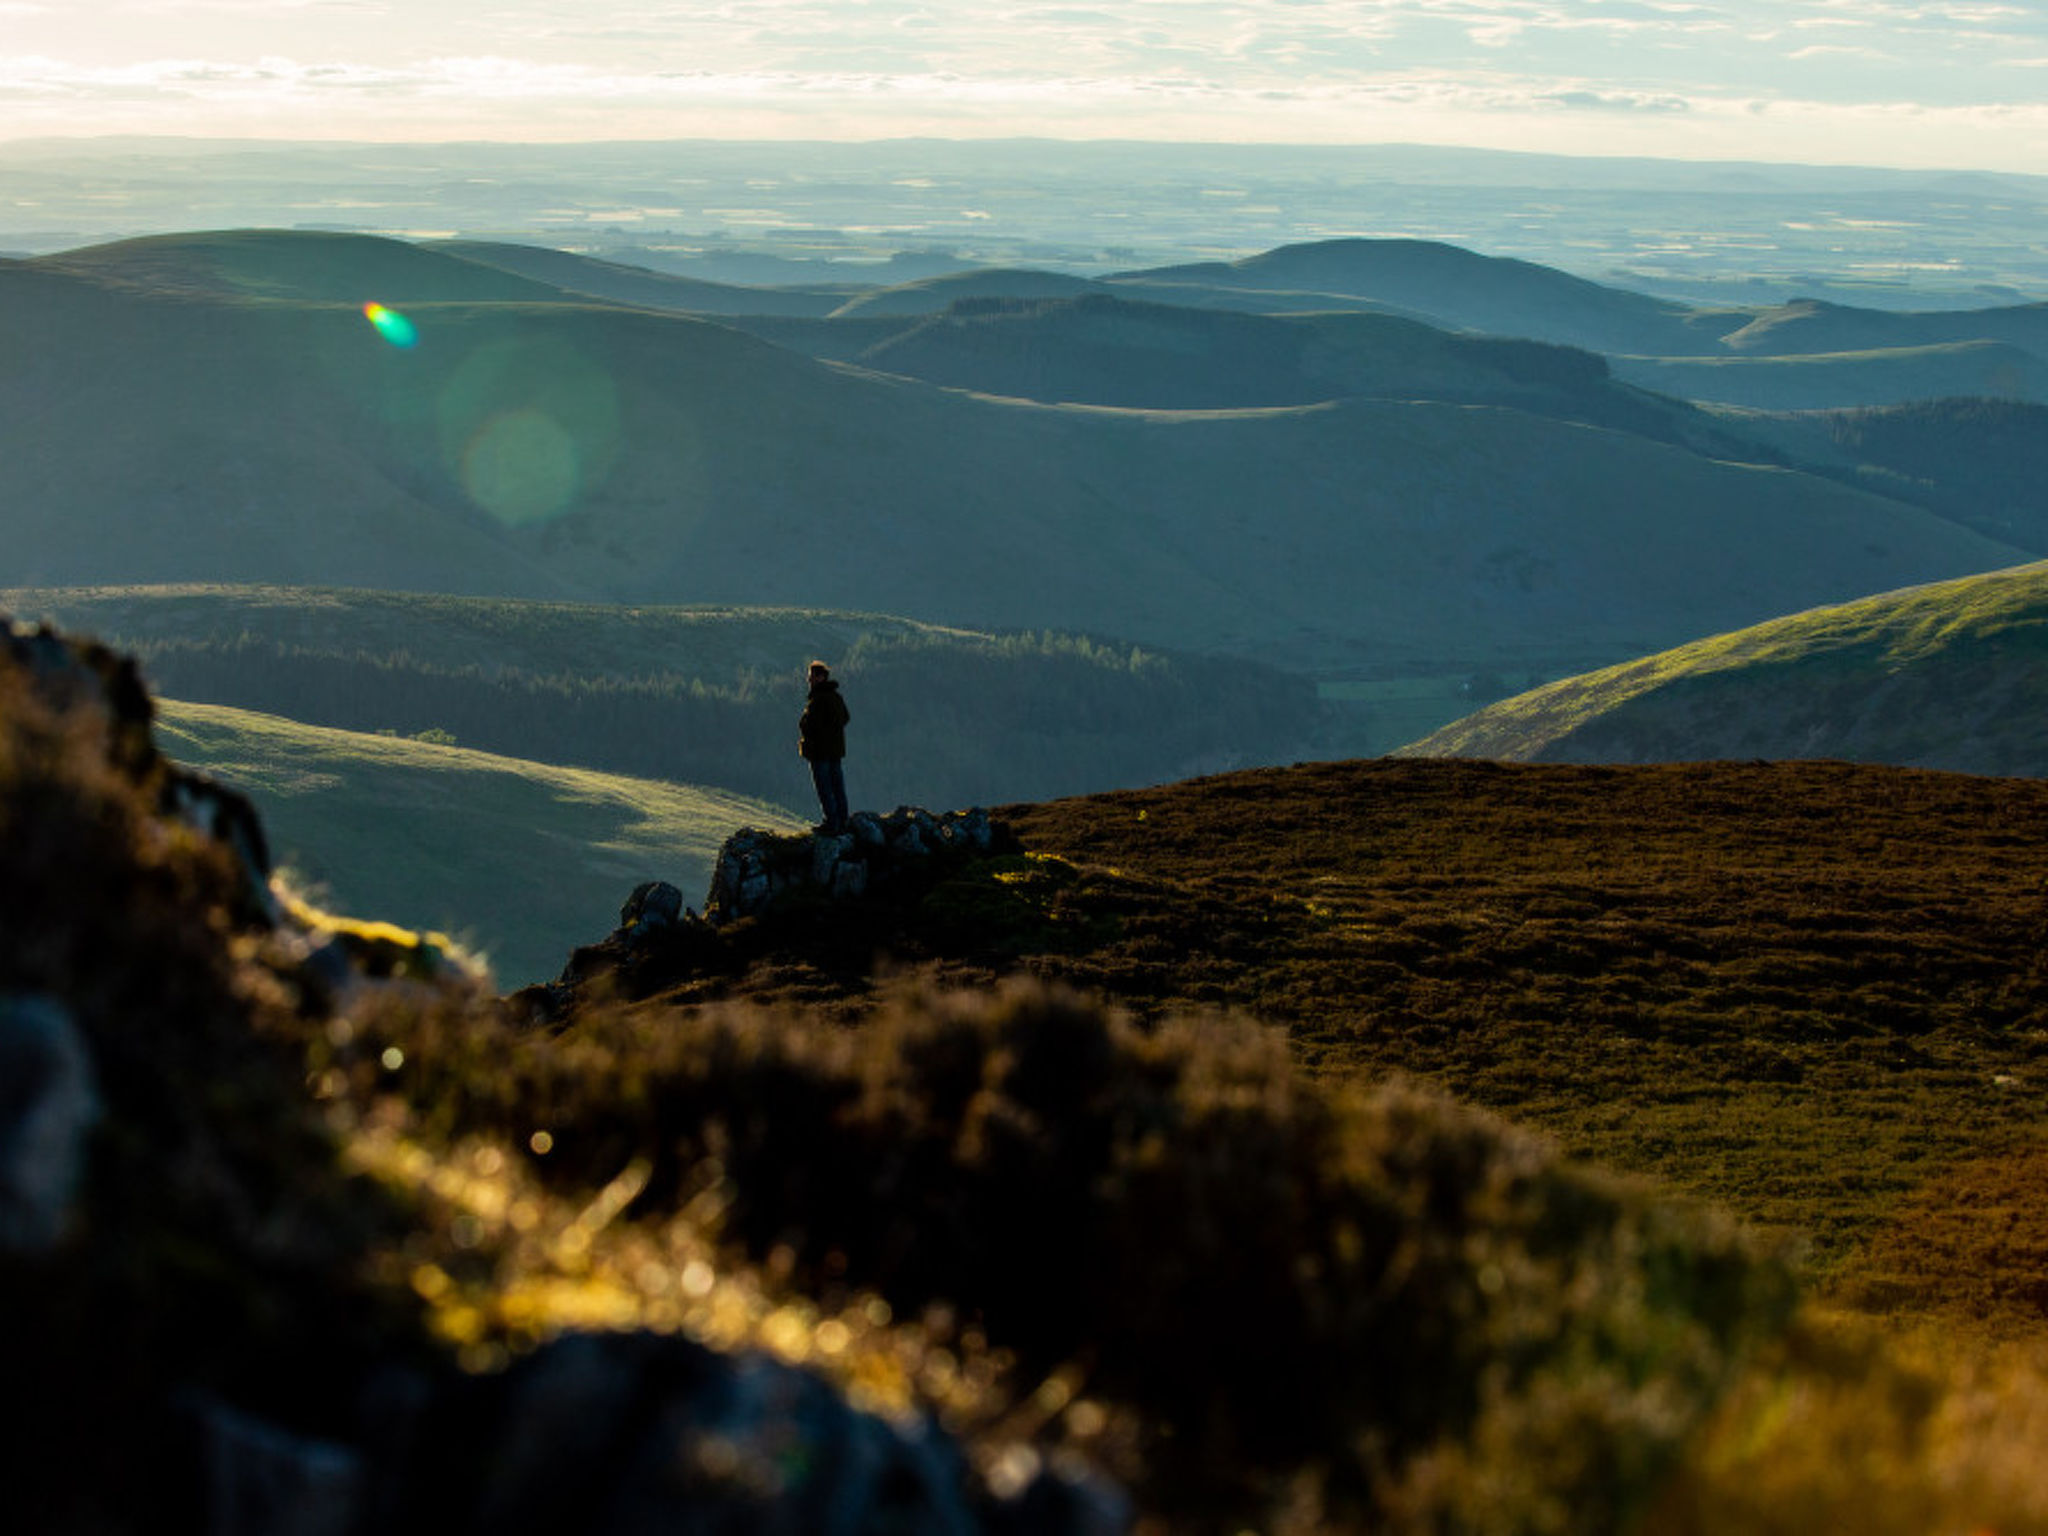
(391, 325)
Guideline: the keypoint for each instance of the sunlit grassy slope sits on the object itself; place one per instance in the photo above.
(594, 451)
(519, 859)
(1949, 675)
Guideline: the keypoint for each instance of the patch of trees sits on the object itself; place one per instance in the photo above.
(941, 720)
(1980, 462)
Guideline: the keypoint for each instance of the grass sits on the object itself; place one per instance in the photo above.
(519, 859)
(1941, 675)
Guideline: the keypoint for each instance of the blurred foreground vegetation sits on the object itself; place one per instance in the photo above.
(1141, 1240)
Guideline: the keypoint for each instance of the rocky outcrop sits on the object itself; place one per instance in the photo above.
(865, 879)
(757, 870)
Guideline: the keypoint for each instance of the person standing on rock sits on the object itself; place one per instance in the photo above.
(821, 738)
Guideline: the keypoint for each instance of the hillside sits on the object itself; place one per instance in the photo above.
(1050, 1259)
(706, 695)
(1103, 349)
(296, 265)
(1840, 960)
(1813, 325)
(1108, 1263)
(1981, 462)
(1836, 380)
(581, 451)
(1943, 676)
(504, 855)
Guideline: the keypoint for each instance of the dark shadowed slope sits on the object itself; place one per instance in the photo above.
(1103, 349)
(1837, 380)
(1948, 676)
(1981, 462)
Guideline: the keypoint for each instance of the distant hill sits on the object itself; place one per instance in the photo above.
(1103, 349)
(932, 294)
(618, 283)
(503, 854)
(1949, 675)
(1813, 325)
(1448, 286)
(943, 717)
(299, 265)
(594, 452)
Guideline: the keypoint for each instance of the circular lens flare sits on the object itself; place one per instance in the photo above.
(391, 325)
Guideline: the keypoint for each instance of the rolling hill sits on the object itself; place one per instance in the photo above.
(1447, 286)
(504, 855)
(1949, 675)
(588, 451)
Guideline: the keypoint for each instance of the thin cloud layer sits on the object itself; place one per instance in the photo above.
(1946, 81)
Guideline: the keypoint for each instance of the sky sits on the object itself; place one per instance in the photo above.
(1950, 83)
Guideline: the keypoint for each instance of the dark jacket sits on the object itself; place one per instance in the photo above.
(821, 731)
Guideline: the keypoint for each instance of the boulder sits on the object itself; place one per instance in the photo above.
(260, 1480)
(620, 1434)
(653, 905)
(49, 1104)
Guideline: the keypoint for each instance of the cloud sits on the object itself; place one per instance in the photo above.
(1615, 101)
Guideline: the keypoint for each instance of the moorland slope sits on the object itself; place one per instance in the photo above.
(1149, 1248)
(1806, 992)
(1948, 675)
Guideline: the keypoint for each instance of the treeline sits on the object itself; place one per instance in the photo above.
(938, 719)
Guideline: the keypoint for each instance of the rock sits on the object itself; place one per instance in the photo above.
(49, 1104)
(654, 904)
(228, 816)
(259, 1480)
(826, 852)
(74, 674)
(619, 1434)
(755, 869)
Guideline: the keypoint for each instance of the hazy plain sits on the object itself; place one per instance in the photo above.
(898, 209)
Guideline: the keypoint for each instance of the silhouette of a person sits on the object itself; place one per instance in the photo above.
(821, 738)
